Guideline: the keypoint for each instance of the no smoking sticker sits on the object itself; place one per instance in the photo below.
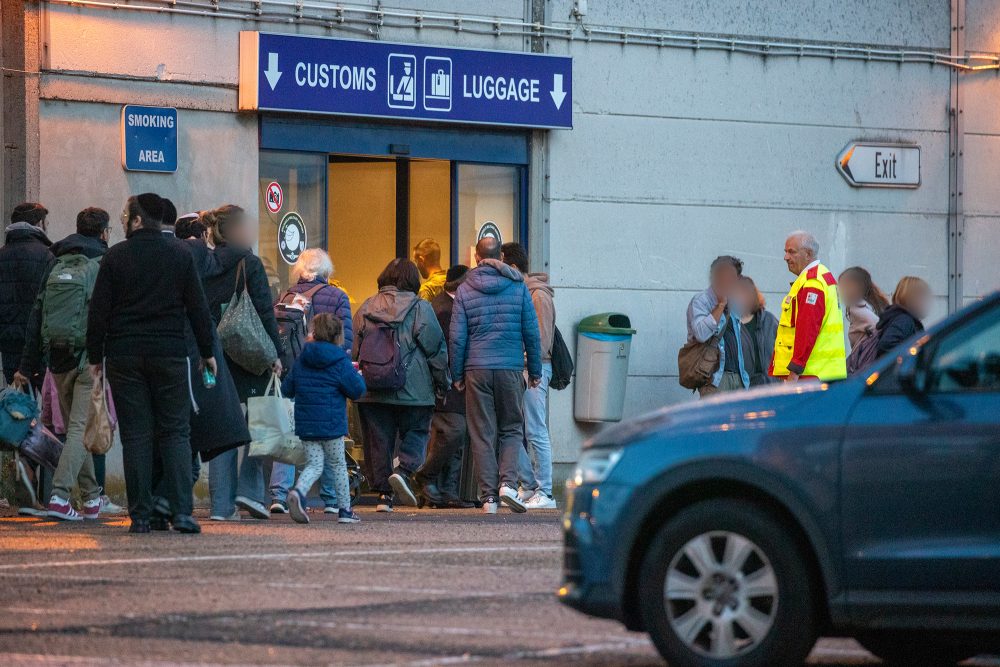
(274, 197)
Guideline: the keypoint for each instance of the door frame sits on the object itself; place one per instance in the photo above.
(380, 141)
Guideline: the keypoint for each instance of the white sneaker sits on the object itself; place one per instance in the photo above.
(490, 505)
(541, 501)
(526, 494)
(32, 511)
(508, 496)
(108, 507)
(330, 509)
(235, 516)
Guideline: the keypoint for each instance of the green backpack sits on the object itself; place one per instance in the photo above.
(66, 302)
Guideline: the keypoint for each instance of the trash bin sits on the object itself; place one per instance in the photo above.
(603, 343)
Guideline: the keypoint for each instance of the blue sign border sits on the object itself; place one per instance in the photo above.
(255, 90)
(170, 134)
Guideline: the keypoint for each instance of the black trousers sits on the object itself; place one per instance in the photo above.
(154, 407)
(449, 436)
(383, 425)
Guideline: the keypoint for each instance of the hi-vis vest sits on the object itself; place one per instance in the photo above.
(828, 360)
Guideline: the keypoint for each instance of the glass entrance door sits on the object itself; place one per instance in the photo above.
(367, 209)
(378, 209)
(361, 218)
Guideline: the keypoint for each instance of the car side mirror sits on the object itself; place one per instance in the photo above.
(910, 371)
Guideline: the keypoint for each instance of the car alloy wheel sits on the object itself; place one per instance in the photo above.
(725, 582)
(721, 594)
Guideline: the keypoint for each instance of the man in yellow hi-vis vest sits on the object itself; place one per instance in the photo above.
(810, 342)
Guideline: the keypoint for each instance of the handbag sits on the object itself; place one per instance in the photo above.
(17, 411)
(99, 433)
(41, 446)
(697, 362)
(242, 334)
(272, 426)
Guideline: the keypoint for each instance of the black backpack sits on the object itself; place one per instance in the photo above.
(293, 312)
(562, 362)
(381, 358)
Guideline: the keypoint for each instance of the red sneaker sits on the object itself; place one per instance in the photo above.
(92, 508)
(60, 508)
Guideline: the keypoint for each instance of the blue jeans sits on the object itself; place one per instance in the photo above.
(228, 477)
(283, 477)
(536, 430)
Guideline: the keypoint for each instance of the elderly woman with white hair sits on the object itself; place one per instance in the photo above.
(311, 277)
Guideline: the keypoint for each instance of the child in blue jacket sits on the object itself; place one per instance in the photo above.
(321, 381)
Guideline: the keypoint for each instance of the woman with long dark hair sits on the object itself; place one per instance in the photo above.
(234, 486)
(863, 302)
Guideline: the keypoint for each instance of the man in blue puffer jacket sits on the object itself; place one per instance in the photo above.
(493, 328)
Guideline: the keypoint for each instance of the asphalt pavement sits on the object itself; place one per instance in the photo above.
(410, 588)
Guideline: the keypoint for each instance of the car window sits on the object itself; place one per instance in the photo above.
(968, 358)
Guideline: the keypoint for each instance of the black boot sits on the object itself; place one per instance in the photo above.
(185, 523)
(139, 526)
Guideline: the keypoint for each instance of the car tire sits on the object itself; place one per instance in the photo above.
(770, 591)
(905, 649)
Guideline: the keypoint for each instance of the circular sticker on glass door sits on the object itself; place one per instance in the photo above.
(291, 237)
(490, 230)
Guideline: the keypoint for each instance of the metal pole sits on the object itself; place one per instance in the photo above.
(956, 150)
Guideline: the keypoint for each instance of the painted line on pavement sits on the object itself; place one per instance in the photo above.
(19, 659)
(285, 555)
(540, 654)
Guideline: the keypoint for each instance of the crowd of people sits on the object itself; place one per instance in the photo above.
(750, 346)
(437, 363)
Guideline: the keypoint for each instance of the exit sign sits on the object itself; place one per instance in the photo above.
(874, 165)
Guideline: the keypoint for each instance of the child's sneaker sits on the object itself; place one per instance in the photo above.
(296, 507)
(92, 509)
(60, 508)
(384, 503)
(348, 516)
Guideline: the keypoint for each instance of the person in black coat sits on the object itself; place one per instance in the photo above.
(147, 292)
(438, 478)
(233, 486)
(911, 303)
(24, 261)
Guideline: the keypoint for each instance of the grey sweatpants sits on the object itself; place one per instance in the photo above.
(495, 414)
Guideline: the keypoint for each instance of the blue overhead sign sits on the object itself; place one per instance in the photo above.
(149, 138)
(305, 74)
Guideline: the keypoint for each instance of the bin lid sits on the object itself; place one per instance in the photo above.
(606, 323)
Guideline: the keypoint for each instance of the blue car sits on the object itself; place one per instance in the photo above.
(736, 530)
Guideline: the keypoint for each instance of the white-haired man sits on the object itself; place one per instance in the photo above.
(810, 342)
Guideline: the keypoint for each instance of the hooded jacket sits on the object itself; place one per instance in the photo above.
(331, 300)
(493, 322)
(421, 342)
(542, 297)
(31, 359)
(320, 382)
(24, 261)
(895, 326)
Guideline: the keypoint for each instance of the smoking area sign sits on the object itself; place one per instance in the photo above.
(305, 74)
(149, 138)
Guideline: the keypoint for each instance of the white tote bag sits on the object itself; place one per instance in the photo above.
(272, 426)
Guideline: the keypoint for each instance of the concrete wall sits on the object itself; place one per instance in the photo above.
(676, 155)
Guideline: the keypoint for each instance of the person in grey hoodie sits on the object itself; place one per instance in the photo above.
(536, 463)
(493, 328)
(403, 415)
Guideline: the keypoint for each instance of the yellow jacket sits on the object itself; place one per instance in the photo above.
(810, 339)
